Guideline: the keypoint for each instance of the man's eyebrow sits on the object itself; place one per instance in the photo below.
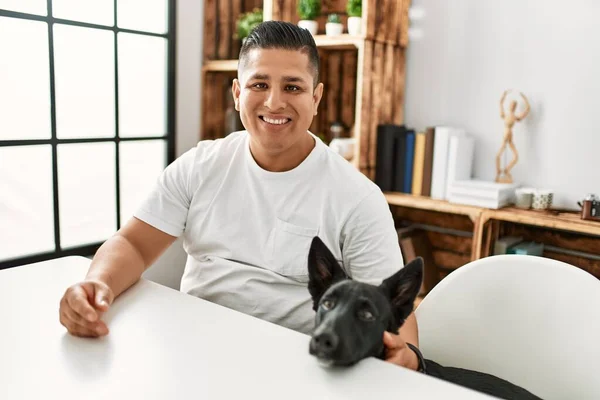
(259, 76)
(293, 79)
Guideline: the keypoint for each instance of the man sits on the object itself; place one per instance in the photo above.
(249, 205)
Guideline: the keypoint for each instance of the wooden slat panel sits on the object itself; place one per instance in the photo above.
(387, 106)
(237, 10)
(562, 239)
(334, 85)
(370, 10)
(224, 30)
(376, 114)
(449, 260)
(366, 109)
(380, 19)
(398, 86)
(404, 24)
(442, 220)
(396, 19)
(349, 59)
(446, 241)
(210, 30)
(591, 266)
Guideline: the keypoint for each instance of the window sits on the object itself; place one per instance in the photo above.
(86, 120)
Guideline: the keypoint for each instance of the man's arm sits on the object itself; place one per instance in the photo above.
(118, 264)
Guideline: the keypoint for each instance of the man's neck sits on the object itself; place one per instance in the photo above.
(283, 161)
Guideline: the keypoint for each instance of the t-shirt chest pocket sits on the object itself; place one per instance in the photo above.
(290, 245)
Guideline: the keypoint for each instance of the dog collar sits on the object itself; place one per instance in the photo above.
(422, 367)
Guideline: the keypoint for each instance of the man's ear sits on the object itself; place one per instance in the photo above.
(402, 288)
(235, 91)
(323, 270)
(317, 96)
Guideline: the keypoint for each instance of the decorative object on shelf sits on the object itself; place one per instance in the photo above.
(344, 146)
(309, 10)
(354, 10)
(246, 22)
(334, 26)
(503, 174)
(542, 199)
(524, 197)
(337, 130)
(590, 207)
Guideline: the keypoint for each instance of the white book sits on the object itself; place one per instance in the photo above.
(439, 170)
(485, 189)
(461, 150)
(479, 202)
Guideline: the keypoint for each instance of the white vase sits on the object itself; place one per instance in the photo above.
(310, 25)
(334, 28)
(354, 25)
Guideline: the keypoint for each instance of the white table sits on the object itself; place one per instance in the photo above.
(164, 344)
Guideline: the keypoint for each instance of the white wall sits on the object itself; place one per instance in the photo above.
(168, 268)
(464, 54)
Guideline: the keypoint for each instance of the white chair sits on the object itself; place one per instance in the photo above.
(530, 320)
(168, 269)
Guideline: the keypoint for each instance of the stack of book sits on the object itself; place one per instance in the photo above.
(482, 193)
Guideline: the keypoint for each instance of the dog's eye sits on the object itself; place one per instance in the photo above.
(328, 304)
(366, 315)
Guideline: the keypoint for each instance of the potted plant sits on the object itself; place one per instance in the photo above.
(334, 25)
(354, 9)
(309, 10)
(248, 21)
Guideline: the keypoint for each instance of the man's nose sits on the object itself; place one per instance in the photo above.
(275, 100)
(325, 343)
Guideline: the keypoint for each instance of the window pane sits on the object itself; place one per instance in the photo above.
(26, 6)
(142, 85)
(26, 208)
(93, 11)
(85, 82)
(141, 163)
(143, 15)
(87, 193)
(24, 80)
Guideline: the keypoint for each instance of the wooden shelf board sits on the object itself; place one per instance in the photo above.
(427, 203)
(563, 220)
(220, 66)
(343, 41)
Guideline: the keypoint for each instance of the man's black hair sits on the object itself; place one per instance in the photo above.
(282, 35)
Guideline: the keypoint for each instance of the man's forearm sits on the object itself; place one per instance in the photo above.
(409, 332)
(118, 264)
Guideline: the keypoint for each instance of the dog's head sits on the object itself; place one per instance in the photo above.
(352, 316)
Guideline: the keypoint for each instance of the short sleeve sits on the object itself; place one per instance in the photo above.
(166, 207)
(369, 241)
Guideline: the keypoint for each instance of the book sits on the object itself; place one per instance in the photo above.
(527, 248)
(386, 156)
(439, 172)
(428, 161)
(461, 150)
(400, 136)
(418, 164)
(409, 156)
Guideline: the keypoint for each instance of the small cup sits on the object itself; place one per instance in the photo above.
(344, 146)
(542, 199)
(523, 197)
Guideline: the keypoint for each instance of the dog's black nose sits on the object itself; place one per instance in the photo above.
(325, 343)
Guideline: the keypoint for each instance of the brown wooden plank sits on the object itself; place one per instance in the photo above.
(349, 58)
(449, 260)
(447, 241)
(399, 85)
(278, 6)
(207, 108)
(366, 89)
(370, 11)
(589, 265)
(224, 30)
(396, 20)
(402, 32)
(557, 238)
(333, 93)
(237, 10)
(434, 218)
(210, 30)
(376, 101)
(388, 105)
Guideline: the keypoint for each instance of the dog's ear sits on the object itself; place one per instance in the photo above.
(402, 288)
(323, 270)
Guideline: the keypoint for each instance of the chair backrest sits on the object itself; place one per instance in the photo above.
(530, 320)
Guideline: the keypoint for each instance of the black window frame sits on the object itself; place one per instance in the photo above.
(169, 137)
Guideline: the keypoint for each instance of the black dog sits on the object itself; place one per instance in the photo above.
(353, 316)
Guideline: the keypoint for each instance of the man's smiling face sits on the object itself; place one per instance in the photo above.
(277, 98)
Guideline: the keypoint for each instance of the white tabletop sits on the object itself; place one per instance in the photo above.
(164, 344)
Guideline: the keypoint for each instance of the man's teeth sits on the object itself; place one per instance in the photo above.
(275, 121)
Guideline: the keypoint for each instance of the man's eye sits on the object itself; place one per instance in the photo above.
(292, 88)
(366, 315)
(328, 304)
(260, 85)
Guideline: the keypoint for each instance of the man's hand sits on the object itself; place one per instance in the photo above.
(397, 352)
(82, 306)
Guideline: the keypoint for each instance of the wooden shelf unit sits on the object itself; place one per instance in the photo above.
(363, 75)
(566, 237)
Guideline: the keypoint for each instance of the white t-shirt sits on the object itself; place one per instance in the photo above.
(247, 231)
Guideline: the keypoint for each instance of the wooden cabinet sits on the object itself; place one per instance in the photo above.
(363, 75)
